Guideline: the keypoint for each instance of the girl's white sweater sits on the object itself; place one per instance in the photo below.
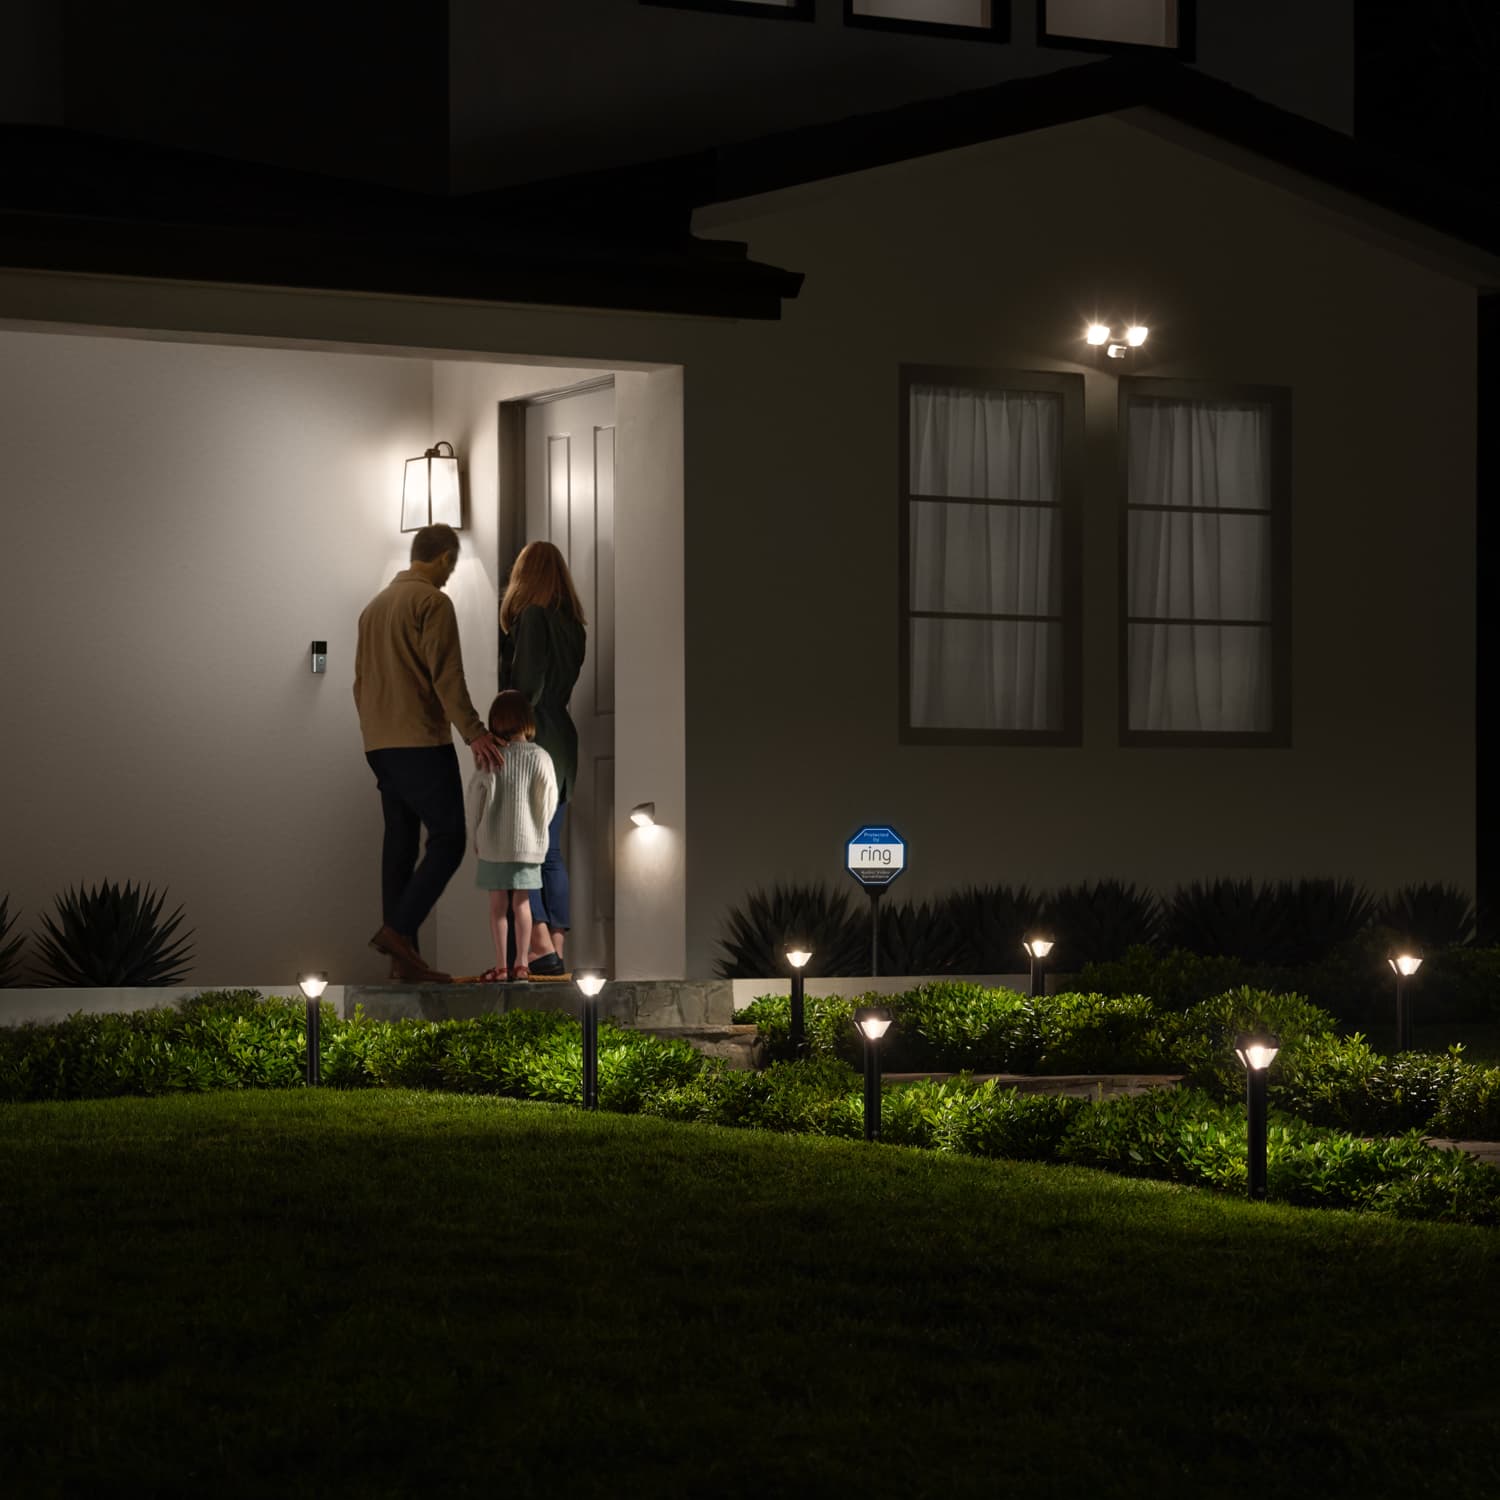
(509, 809)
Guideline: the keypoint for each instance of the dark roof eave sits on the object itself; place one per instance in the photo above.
(597, 277)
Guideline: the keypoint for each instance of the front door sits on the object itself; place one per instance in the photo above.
(570, 501)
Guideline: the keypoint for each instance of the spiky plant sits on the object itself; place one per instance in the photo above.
(992, 922)
(1092, 924)
(1227, 918)
(919, 939)
(112, 936)
(10, 947)
(755, 936)
(1431, 915)
(1316, 916)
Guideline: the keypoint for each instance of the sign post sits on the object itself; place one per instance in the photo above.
(875, 856)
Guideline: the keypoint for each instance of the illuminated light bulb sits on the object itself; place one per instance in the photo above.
(1257, 1052)
(590, 981)
(313, 985)
(1136, 334)
(1038, 947)
(1405, 964)
(1098, 333)
(798, 957)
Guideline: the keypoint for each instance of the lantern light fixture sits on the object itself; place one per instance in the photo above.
(1403, 966)
(797, 955)
(1257, 1051)
(590, 982)
(312, 986)
(429, 490)
(872, 1022)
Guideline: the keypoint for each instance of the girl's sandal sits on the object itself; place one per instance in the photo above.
(520, 973)
(492, 976)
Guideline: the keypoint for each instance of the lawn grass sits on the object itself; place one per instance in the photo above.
(392, 1293)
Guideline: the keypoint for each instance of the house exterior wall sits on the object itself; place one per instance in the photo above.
(787, 575)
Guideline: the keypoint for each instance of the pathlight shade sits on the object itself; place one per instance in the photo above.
(1038, 947)
(797, 956)
(873, 1021)
(590, 981)
(429, 494)
(1257, 1051)
(1405, 964)
(313, 985)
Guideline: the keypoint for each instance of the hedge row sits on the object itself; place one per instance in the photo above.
(236, 1040)
(953, 1026)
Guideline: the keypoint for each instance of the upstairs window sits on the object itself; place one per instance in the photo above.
(1206, 628)
(978, 20)
(990, 470)
(1162, 26)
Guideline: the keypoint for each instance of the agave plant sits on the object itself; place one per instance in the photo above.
(1316, 916)
(920, 939)
(1224, 918)
(755, 938)
(10, 947)
(108, 936)
(1433, 916)
(992, 922)
(1092, 924)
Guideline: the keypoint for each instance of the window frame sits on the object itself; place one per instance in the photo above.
(1279, 399)
(799, 10)
(1185, 51)
(997, 31)
(1071, 388)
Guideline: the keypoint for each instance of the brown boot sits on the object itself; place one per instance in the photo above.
(406, 963)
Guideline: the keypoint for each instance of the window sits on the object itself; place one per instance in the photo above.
(1119, 25)
(776, 10)
(977, 20)
(1205, 638)
(991, 465)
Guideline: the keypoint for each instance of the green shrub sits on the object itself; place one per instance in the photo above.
(1332, 1081)
(1202, 1038)
(921, 938)
(1470, 1106)
(110, 935)
(827, 1022)
(1174, 980)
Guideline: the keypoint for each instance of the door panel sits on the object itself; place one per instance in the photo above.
(570, 492)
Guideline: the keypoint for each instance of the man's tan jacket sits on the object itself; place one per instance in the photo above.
(409, 669)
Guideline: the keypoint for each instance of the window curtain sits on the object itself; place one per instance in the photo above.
(972, 563)
(1199, 569)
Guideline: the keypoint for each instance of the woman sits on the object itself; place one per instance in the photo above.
(542, 638)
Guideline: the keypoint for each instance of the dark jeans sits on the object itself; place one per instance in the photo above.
(419, 786)
(553, 904)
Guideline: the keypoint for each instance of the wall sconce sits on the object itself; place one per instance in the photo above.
(643, 814)
(429, 491)
(1102, 336)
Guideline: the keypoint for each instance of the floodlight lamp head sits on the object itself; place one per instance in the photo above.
(1098, 333)
(313, 985)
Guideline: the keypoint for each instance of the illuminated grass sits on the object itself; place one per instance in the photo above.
(390, 1294)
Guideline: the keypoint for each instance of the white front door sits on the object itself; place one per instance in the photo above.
(570, 501)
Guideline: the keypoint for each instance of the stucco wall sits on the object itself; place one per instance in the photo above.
(994, 256)
(180, 523)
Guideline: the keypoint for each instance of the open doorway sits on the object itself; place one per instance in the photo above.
(567, 497)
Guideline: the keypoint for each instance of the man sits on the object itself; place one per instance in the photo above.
(409, 687)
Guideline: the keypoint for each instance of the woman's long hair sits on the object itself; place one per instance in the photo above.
(540, 576)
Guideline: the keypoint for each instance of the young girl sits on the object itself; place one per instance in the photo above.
(509, 813)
